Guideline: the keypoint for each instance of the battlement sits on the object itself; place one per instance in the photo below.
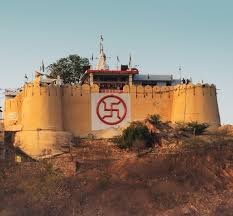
(204, 89)
(57, 107)
(30, 90)
(80, 90)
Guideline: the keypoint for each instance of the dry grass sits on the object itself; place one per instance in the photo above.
(111, 181)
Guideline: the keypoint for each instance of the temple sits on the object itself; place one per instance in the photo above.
(115, 80)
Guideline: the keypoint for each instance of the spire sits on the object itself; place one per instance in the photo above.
(102, 64)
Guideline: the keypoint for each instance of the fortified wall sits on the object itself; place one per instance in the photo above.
(43, 116)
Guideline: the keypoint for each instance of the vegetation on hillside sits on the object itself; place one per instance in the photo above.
(106, 180)
(154, 119)
(153, 131)
(137, 135)
(194, 128)
(187, 174)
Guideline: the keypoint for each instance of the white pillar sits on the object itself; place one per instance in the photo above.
(91, 79)
(130, 80)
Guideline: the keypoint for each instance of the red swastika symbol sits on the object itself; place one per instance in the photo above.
(108, 106)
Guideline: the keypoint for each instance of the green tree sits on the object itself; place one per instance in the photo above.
(69, 69)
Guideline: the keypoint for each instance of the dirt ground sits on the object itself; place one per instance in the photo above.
(98, 178)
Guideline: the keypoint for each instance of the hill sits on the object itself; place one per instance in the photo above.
(186, 175)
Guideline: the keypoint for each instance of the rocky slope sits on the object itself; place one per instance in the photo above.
(184, 176)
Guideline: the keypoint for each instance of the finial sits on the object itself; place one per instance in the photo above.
(101, 44)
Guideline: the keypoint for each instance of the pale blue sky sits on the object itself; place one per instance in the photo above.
(160, 34)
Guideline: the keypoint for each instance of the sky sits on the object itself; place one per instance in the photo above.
(161, 35)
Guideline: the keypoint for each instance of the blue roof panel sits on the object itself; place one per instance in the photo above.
(150, 77)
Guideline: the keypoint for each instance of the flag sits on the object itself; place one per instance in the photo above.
(118, 60)
(42, 66)
(92, 57)
(130, 61)
(101, 38)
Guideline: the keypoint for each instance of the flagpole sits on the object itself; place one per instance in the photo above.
(118, 60)
(130, 61)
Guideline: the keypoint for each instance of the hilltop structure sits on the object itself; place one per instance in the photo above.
(46, 113)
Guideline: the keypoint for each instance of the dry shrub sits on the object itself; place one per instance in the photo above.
(155, 119)
(136, 136)
(194, 128)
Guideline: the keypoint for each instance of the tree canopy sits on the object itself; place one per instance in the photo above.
(69, 69)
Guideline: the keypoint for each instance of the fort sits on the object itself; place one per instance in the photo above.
(46, 113)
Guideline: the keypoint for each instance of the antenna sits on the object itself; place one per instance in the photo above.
(180, 71)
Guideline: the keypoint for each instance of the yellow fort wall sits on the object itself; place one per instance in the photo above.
(39, 125)
(42, 114)
(42, 108)
(150, 100)
(12, 113)
(68, 108)
(195, 103)
(76, 104)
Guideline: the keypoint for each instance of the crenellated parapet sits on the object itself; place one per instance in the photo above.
(34, 89)
(75, 90)
(43, 106)
(204, 89)
(145, 90)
